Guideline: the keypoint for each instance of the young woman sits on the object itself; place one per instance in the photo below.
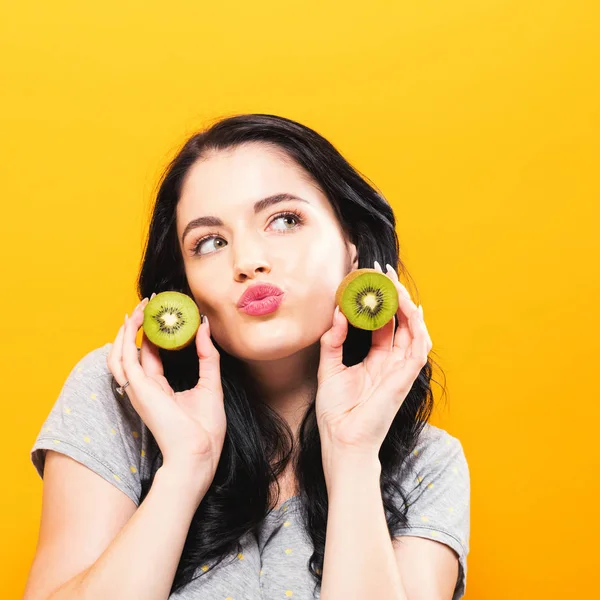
(284, 453)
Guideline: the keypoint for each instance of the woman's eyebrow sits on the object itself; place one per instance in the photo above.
(259, 205)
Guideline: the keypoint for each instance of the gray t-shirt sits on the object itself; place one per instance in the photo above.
(96, 428)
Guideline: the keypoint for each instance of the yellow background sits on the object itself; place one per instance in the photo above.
(479, 121)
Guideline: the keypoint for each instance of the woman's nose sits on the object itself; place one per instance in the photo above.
(249, 269)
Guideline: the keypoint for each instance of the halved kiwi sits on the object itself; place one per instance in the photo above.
(368, 298)
(171, 320)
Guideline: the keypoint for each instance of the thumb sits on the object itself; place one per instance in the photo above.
(209, 357)
(332, 347)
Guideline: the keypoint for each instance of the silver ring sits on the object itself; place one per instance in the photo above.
(121, 388)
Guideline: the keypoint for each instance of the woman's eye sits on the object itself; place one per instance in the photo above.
(289, 217)
(216, 238)
(201, 243)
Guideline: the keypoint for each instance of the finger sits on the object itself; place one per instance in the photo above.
(209, 359)
(152, 364)
(424, 340)
(332, 346)
(131, 362)
(150, 358)
(114, 357)
(402, 339)
(383, 337)
(418, 349)
(406, 307)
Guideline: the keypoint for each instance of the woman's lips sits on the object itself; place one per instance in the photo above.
(263, 306)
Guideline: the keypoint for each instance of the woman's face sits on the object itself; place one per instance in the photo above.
(306, 256)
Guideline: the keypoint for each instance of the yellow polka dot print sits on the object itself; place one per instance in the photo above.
(93, 396)
(117, 477)
(133, 469)
(135, 434)
(424, 518)
(86, 439)
(288, 550)
(113, 431)
(205, 568)
(240, 556)
(287, 524)
(67, 410)
(289, 593)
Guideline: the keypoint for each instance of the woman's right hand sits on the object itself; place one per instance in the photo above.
(189, 426)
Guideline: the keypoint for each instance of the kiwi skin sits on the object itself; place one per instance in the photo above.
(346, 307)
(151, 324)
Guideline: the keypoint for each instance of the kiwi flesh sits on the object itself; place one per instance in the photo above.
(368, 298)
(171, 320)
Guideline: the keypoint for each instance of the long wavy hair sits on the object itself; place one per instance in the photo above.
(258, 443)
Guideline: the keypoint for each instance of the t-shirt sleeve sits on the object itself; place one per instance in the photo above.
(92, 424)
(439, 496)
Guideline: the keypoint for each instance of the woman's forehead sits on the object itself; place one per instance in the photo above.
(234, 179)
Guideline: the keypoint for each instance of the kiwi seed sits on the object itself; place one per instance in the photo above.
(368, 298)
(171, 320)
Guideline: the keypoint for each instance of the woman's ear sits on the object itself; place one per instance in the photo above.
(353, 253)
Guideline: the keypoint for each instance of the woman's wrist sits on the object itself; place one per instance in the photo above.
(186, 481)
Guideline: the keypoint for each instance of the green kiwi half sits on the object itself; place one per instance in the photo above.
(368, 298)
(171, 320)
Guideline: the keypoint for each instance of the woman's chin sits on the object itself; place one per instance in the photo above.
(270, 348)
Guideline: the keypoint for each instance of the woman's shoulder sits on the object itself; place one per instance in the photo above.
(93, 363)
(92, 423)
(437, 484)
(92, 374)
(437, 460)
(433, 441)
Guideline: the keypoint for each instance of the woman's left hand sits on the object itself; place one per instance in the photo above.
(356, 405)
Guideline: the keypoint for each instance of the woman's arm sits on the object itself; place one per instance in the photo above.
(359, 556)
(142, 559)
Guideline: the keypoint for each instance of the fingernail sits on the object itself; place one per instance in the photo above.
(154, 294)
(403, 288)
(125, 321)
(378, 266)
(201, 319)
(421, 311)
